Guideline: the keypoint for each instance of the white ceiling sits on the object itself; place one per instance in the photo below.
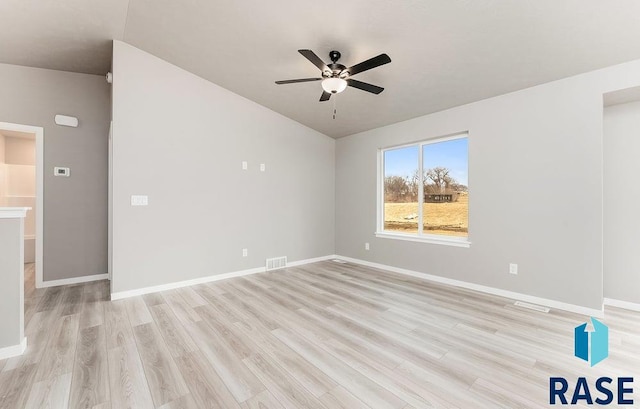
(445, 52)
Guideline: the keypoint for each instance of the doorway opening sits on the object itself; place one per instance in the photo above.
(22, 184)
(621, 192)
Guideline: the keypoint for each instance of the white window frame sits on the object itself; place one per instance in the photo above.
(420, 236)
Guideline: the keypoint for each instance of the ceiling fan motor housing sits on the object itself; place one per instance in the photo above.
(335, 70)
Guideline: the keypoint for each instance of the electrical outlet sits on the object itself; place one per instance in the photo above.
(263, 167)
(366, 246)
(245, 252)
(513, 268)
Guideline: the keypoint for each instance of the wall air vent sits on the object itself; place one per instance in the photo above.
(276, 263)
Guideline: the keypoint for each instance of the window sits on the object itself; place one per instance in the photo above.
(424, 191)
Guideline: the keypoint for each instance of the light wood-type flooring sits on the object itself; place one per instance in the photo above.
(325, 335)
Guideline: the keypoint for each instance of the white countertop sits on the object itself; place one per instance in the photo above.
(13, 212)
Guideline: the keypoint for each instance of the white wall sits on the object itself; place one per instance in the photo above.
(621, 198)
(12, 276)
(75, 208)
(535, 182)
(3, 175)
(180, 140)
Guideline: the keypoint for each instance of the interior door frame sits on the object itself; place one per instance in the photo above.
(110, 209)
(39, 133)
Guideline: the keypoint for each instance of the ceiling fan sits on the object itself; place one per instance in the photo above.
(336, 77)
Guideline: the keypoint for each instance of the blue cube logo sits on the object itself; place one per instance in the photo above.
(592, 347)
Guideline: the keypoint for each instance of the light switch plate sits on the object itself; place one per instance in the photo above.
(245, 165)
(139, 200)
(263, 167)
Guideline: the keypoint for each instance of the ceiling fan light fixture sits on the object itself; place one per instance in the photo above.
(334, 85)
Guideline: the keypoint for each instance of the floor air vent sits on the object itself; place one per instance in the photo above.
(531, 306)
(276, 263)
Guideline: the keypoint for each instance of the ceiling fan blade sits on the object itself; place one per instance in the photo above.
(369, 64)
(325, 96)
(298, 80)
(364, 86)
(315, 60)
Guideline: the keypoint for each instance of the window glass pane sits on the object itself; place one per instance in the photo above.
(401, 181)
(446, 198)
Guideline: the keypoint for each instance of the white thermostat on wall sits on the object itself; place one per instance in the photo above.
(57, 171)
(64, 120)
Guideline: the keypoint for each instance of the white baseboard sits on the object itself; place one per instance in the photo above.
(74, 280)
(13, 350)
(481, 288)
(310, 260)
(170, 286)
(627, 305)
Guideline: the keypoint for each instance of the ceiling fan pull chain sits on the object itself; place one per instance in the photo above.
(335, 111)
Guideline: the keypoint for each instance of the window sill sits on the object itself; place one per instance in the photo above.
(446, 241)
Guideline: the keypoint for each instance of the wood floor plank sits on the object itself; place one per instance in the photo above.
(59, 356)
(117, 324)
(414, 393)
(127, 382)
(137, 311)
(322, 325)
(192, 298)
(91, 371)
(16, 385)
(216, 300)
(185, 313)
(340, 398)
(184, 402)
(242, 383)
(206, 387)
(284, 387)
(506, 397)
(30, 307)
(313, 379)
(175, 335)
(247, 306)
(362, 387)
(96, 291)
(263, 400)
(236, 342)
(92, 314)
(50, 299)
(52, 393)
(153, 299)
(71, 302)
(164, 378)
